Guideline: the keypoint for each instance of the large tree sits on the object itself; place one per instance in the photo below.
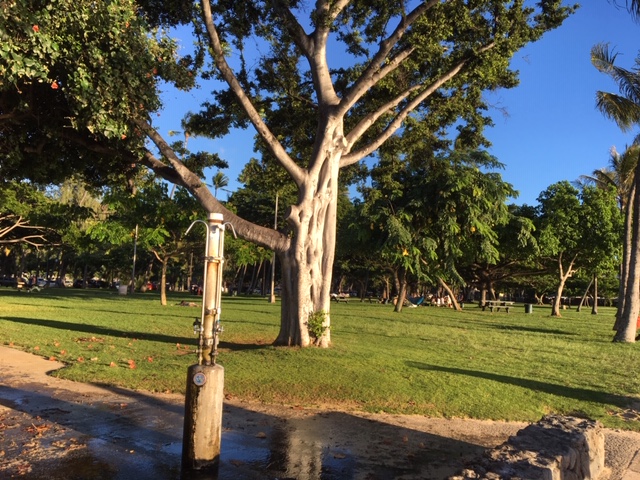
(437, 214)
(624, 109)
(619, 176)
(424, 62)
(73, 75)
(560, 234)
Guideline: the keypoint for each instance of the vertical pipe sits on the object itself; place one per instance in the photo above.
(205, 381)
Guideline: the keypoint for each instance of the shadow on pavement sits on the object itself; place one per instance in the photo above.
(54, 432)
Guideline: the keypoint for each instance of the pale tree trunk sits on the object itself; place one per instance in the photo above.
(402, 290)
(539, 298)
(626, 254)
(308, 263)
(454, 300)
(483, 294)
(627, 325)
(163, 280)
(386, 293)
(563, 275)
(584, 296)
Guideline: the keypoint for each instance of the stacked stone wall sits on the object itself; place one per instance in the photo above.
(555, 448)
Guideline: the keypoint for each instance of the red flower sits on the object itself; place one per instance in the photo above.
(36, 28)
(55, 85)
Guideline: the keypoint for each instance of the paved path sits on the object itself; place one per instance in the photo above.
(56, 429)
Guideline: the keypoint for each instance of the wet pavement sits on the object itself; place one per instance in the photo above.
(55, 429)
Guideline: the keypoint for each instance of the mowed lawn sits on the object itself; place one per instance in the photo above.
(427, 360)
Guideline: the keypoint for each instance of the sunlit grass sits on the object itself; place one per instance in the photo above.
(427, 360)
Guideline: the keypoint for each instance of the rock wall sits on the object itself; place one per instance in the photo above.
(555, 448)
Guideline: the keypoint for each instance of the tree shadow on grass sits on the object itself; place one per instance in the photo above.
(152, 337)
(517, 328)
(576, 393)
(96, 330)
(238, 347)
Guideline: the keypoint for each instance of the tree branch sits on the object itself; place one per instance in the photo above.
(180, 175)
(300, 37)
(365, 123)
(373, 73)
(297, 174)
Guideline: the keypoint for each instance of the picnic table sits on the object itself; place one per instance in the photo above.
(340, 297)
(497, 305)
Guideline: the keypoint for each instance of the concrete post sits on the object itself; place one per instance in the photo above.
(205, 381)
(203, 418)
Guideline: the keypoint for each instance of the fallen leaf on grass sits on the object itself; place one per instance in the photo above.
(38, 428)
(36, 348)
(80, 359)
(132, 363)
(112, 364)
(52, 358)
(149, 359)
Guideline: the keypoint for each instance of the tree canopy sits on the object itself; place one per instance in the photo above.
(414, 69)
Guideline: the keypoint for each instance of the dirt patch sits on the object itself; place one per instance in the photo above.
(52, 428)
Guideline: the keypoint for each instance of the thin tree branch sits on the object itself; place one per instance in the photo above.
(297, 174)
(177, 173)
(358, 131)
(373, 72)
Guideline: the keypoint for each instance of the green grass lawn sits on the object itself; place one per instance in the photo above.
(429, 361)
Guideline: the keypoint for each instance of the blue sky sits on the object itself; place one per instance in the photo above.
(551, 130)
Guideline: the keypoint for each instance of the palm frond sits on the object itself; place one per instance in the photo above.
(623, 111)
(628, 80)
(602, 58)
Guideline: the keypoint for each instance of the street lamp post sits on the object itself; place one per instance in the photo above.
(133, 270)
(272, 297)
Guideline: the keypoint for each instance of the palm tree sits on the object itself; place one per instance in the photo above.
(619, 176)
(633, 6)
(624, 109)
(219, 181)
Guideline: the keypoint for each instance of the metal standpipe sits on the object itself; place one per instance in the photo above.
(205, 380)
